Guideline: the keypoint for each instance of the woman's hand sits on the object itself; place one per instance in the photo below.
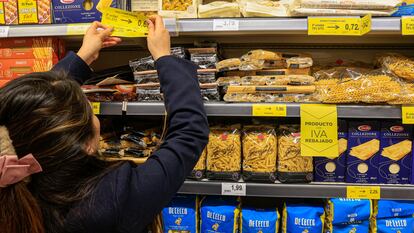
(98, 36)
(158, 38)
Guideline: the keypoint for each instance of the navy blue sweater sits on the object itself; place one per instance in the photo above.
(128, 198)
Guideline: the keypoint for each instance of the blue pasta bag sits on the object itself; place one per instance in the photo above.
(302, 218)
(180, 216)
(344, 210)
(219, 215)
(393, 225)
(355, 227)
(259, 220)
(392, 209)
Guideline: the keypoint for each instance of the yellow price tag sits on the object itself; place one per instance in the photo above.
(125, 23)
(363, 192)
(27, 11)
(77, 29)
(319, 130)
(96, 108)
(407, 113)
(327, 26)
(407, 25)
(269, 110)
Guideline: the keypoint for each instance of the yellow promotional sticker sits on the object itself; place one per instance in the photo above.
(96, 107)
(319, 130)
(27, 11)
(2, 21)
(269, 110)
(407, 25)
(407, 114)
(77, 29)
(363, 192)
(125, 23)
(333, 26)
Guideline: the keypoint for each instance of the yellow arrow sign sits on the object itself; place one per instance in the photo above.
(333, 26)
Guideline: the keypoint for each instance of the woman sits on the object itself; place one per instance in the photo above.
(56, 184)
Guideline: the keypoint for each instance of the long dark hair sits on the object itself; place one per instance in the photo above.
(48, 115)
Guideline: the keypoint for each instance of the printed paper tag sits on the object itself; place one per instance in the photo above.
(225, 25)
(233, 189)
(407, 25)
(4, 31)
(125, 23)
(363, 192)
(77, 29)
(319, 130)
(270, 110)
(96, 107)
(333, 26)
(407, 113)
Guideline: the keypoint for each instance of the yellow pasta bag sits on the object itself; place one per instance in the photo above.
(259, 153)
(200, 168)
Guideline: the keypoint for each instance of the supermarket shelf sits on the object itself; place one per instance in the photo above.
(397, 192)
(245, 110)
(386, 25)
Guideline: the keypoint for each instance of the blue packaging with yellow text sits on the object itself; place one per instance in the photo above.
(180, 216)
(219, 215)
(299, 218)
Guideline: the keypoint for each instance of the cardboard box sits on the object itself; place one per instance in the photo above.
(178, 8)
(2, 20)
(333, 169)
(13, 68)
(10, 12)
(363, 152)
(30, 48)
(395, 161)
(76, 11)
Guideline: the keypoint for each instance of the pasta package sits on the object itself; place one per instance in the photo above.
(399, 65)
(228, 64)
(224, 153)
(181, 215)
(219, 9)
(291, 166)
(177, 8)
(354, 227)
(339, 12)
(393, 209)
(300, 218)
(265, 8)
(274, 89)
(199, 170)
(333, 169)
(259, 153)
(267, 98)
(399, 225)
(254, 220)
(272, 80)
(219, 215)
(344, 211)
(13, 68)
(11, 15)
(395, 159)
(350, 4)
(32, 48)
(362, 154)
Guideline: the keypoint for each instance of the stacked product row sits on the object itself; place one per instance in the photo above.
(229, 215)
(26, 55)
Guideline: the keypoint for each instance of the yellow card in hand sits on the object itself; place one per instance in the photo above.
(125, 23)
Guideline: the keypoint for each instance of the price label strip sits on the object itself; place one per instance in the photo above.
(407, 25)
(125, 23)
(363, 192)
(225, 25)
(269, 110)
(96, 107)
(4, 31)
(333, 26)
(319, 130)
(407, 113)
(77, 29)
(233, 189)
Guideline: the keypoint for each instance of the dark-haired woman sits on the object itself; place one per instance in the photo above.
(50, 182)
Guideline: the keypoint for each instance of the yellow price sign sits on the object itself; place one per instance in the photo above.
(125, 23)
(96, 108)
(77, 29)
(319, 130)
(269, 110)
(363, 192)
(407, 25)
(407, 113)
(27, 11)
(333, 26)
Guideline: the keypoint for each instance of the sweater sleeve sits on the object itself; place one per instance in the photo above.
(75, 67)
(143, 191)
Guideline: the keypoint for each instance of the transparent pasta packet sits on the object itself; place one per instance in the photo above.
(291, 166)
(149, 92)
(224, 82)
(259, 153)
(268, 98)
(206, 75)
(199, 170)
(224, 153)
(209, 92)
(397, 64)
(149, 76)
(278, 80)
(147, 63)
(205, 58)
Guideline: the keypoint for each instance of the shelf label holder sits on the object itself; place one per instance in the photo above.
(226, 25)
(407, 25)
(233, 189)
(407, 114)
(269, 110)
(319, 130)
(77, 29)
(96, 108)
(4, 31)
(363, 192)
(334, 26)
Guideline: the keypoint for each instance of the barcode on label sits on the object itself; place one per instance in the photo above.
(4, 31)
(233, 189)
(225, 25)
